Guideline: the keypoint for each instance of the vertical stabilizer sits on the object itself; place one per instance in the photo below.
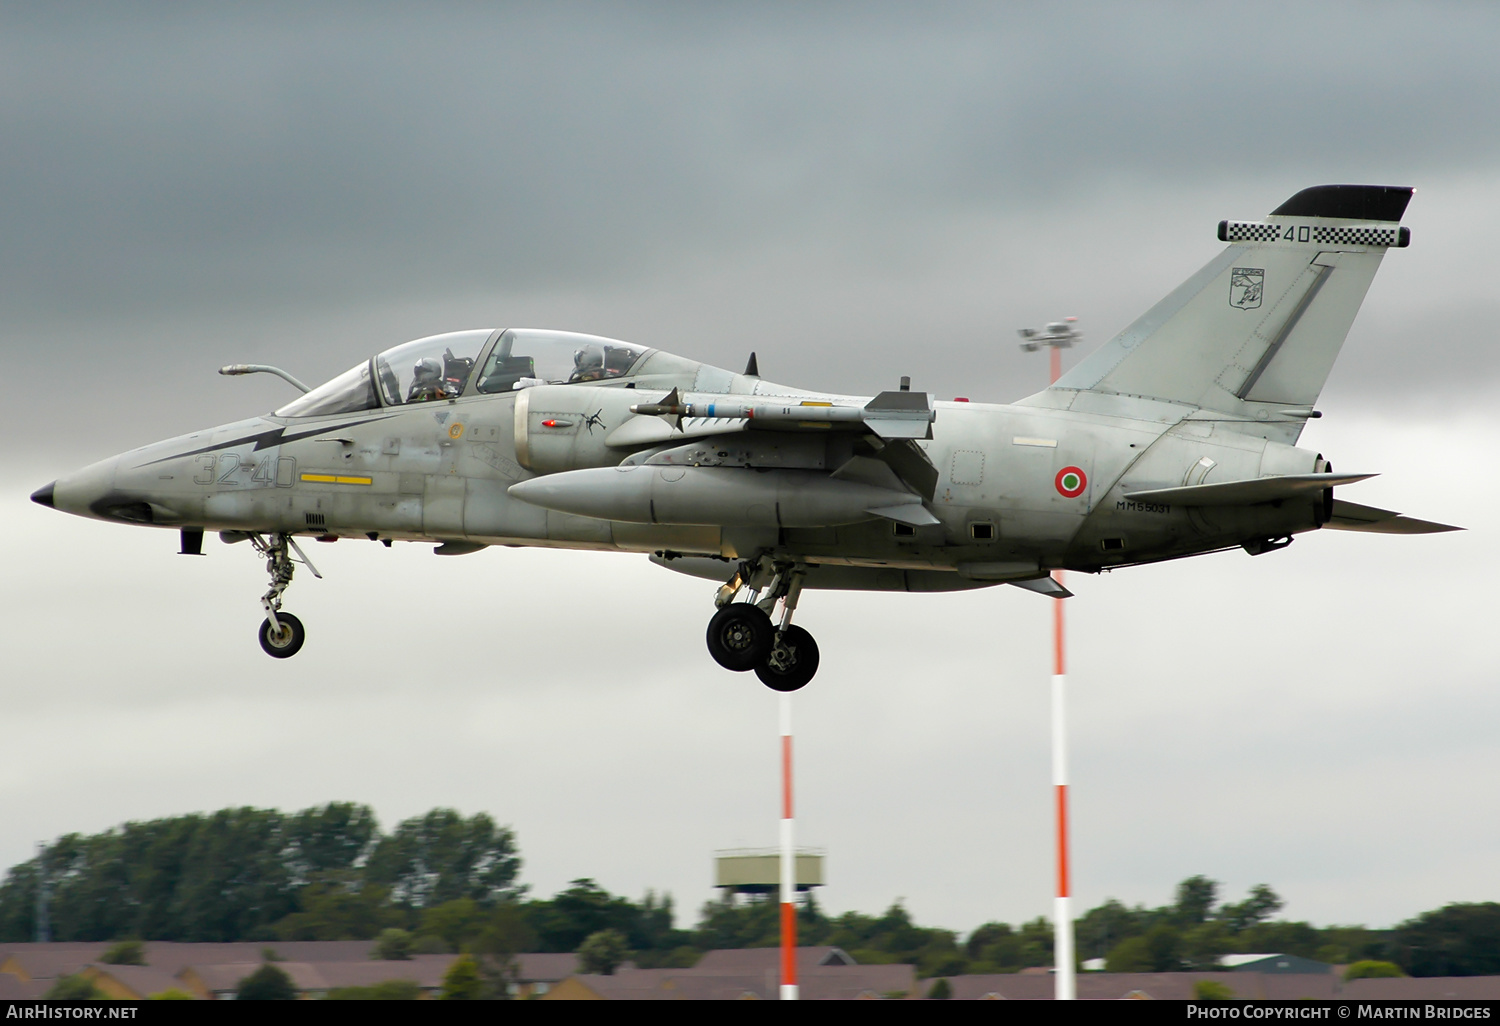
(1256, 331)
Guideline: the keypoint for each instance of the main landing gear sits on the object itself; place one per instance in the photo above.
(742, 635)
(281, 634)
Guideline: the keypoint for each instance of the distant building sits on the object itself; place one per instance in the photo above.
(746, 974)
(213, 971)
(1273, 963)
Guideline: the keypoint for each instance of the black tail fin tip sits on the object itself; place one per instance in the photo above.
(1355, 202)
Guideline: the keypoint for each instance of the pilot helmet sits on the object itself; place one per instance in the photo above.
(428, 369)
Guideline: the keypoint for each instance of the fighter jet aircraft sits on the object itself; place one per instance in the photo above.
(1176, 438)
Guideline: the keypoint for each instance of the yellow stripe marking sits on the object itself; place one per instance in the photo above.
(336, 479)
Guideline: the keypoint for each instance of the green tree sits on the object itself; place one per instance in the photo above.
(1105, 926)
(268, 983)
(125, 952)
(683, 957)
(461, 982)
(1164, 943)
(339, 906)
(572, 915)
(393, 945)
(1455, 940)
(1370, 969)
(723, 924)
(332, 838)
(1196, 897)
(1212, 990)
(505, 933)
(73, 988)
(1254, 910)
(386, 990)
(455, 922)
(223, 876)
(1344, 945)
(1203, 943)
(1036, 942)
(1283, 936)
(1131, 955)
(602, 952)
(940, 991)
(172, 994)
(431, 859)
(1158, 950)
(655, 929)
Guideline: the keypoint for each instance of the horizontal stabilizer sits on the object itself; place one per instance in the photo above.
(1044, 586)
(1247, 493)
(1350, 516)
(914, 513)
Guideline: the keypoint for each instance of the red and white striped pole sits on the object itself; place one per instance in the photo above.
(1056, 337)
(1065, 988)
(788, 861)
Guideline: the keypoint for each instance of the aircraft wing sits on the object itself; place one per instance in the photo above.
(1247, 493)
(1350, 516)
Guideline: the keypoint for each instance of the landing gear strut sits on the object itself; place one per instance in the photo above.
(742, 636)
(281, 634)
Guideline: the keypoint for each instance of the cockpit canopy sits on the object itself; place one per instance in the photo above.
(443, 367)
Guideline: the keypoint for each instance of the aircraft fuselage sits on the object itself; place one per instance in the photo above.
(441, 472)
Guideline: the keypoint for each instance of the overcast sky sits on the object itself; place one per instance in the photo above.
(855, 192)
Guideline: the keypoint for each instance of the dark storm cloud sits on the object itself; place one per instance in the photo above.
(157, 155)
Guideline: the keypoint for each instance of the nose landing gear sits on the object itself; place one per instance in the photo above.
(741, 635)
(281, 634)
(283, 640)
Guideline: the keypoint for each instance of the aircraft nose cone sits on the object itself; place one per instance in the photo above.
(43, 496)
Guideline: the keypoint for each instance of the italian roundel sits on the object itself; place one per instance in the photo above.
(1071, 481)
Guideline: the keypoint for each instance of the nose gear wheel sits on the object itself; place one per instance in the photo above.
(285, 642)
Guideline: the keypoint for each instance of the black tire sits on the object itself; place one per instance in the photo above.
(740, 637)
(289, 643)
(800, 667)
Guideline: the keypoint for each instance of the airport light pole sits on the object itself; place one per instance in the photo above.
(1056, 337)
(789, 990)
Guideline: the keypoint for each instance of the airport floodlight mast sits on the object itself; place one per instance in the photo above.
(1057, 336)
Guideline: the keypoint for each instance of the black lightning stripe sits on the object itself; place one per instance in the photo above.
(265, 440)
